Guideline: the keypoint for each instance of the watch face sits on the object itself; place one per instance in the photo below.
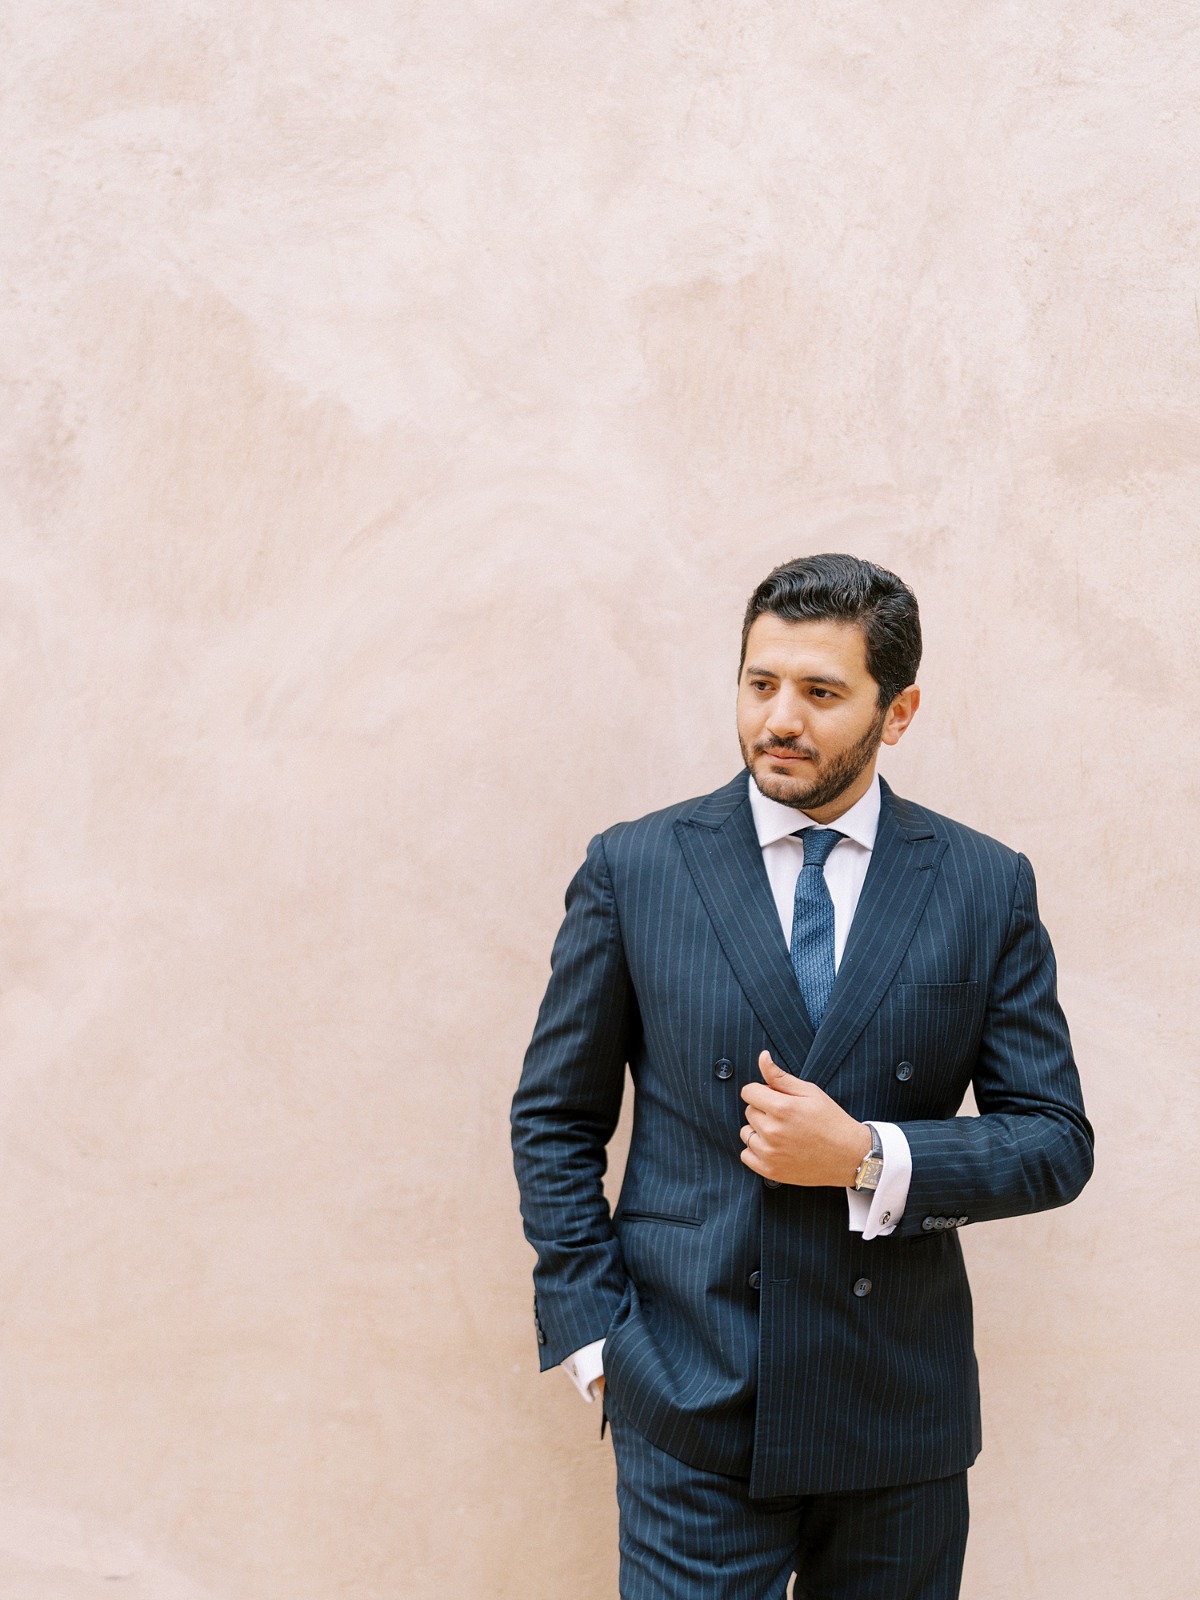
(869, 1173)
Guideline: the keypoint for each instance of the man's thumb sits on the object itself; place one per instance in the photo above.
(776, 1078)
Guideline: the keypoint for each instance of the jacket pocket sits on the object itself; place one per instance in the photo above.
(938, 996)
(636, 1215)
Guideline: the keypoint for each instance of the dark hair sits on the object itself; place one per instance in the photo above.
(847, 589)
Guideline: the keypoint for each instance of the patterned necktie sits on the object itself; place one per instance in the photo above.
(812, 924)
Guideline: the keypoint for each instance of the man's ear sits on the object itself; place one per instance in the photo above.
(900, 713)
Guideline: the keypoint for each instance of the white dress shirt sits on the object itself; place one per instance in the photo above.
(872, 1215)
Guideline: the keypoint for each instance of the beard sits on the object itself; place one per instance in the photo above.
(831, 777)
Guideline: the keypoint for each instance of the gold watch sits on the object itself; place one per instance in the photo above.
(870, 1168)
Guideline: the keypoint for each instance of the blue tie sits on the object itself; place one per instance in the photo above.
(812, 924)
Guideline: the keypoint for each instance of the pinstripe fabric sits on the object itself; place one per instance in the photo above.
(812, 923)
(693, 1535)
(671, 959)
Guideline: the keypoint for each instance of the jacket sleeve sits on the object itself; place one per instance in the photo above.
(1030, 1147)
(563, 1116)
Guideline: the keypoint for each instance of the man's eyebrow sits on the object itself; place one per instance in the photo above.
(808, 677)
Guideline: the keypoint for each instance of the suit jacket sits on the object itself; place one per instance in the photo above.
(747, 1330)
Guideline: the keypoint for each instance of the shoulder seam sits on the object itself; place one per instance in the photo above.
(611, 890)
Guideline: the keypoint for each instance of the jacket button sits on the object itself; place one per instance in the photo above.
(770, 1183)
(904, 1071)
(862, 1288)
(541, 1337)
(755, 1280)
(723, 1069)
(928, 1224)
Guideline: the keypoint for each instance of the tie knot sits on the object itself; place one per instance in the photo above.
(818, 842)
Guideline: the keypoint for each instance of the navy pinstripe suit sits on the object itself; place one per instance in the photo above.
(671, 959)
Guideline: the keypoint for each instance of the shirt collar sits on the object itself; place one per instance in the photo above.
(774, 821)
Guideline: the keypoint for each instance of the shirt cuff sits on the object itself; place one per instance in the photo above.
(876, 1215)
(586, 1366)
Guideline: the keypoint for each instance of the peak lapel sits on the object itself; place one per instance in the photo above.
(899, 881)
(723, 856)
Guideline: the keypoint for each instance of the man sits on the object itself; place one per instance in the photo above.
(777, 1311)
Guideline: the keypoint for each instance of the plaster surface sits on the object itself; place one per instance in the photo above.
(399, 403)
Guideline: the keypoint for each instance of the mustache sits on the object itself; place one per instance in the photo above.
(792, 747)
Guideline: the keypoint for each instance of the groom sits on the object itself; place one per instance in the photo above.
(804, 974)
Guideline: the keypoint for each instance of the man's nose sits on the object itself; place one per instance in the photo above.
(786, 717)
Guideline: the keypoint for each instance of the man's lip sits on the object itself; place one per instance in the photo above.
(783, 755)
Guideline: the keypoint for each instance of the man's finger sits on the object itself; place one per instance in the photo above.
(776, 1078)
(764, 1099)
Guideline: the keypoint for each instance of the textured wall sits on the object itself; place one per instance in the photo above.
(399, 402)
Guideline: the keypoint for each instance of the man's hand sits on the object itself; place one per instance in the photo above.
(795, 1133)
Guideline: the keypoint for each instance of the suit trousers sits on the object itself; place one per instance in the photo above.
(687, 1534)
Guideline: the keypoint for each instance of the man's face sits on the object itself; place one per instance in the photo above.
(808, 714)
